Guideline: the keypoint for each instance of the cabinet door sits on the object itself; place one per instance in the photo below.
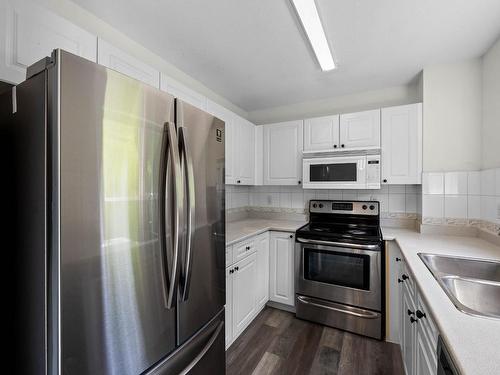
(244, 293)
(29, 33)
(262, 244)
(245, 149)
(361, 129)
(402, 144)
(181, 91)
(321, 133)
(425, 359)
(229, 307)
(229, 138)
(116, 59)
(408, 333)
(283, 153)
(393, 296)
(281, 277)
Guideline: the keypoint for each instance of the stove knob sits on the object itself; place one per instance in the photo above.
(365, 207)
(315, 205)
(320, 205)
(372, 207)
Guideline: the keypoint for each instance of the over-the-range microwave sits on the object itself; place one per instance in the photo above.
(341, 171)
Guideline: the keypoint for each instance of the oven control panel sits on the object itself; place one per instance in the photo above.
(371, 208)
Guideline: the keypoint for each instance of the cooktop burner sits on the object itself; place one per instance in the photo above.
(343, 221)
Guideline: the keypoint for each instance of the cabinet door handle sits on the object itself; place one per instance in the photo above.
(413, 320)
(398, 259)
(410, 312)
(231, 271)
(236, 268)
(239, 181)
(334, 146)
(420, 314)
(400, 281)
(291, 236)
(385, 180)
(300, 182)
(404, 277)
(342, 145)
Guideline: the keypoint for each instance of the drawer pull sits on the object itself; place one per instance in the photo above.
(421, 315)
(398, 259)
(404, 277)
(400, 281)
(413, 320)
(410, 312)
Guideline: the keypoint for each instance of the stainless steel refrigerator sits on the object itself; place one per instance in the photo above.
(119, 192)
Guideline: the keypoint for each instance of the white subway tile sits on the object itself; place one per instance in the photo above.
(455, 206)
(286, 200)
(397, 202)
(432, 205)
(384, 201)
(365, 195)
(322, 194)
(335, 194)
(474, 183)
(298, 200)
(488, 208)
(455, 183)
(433, 183)
(349, 195)
(308, 195)
(473, 207)
(488, 177)
(397, 189)
(411, 203)
(497, 182)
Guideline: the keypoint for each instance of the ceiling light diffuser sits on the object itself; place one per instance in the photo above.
(308, 14)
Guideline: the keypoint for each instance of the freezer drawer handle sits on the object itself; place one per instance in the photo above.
(191, 212)
(170, 278)
(204, 351)
(366, 315)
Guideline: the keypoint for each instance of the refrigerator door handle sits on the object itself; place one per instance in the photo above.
(204, 351)
(171, 277)
(191, 211)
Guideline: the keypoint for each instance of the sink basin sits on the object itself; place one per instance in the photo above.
(473, 285)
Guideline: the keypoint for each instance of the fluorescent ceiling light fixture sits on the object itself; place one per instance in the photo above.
(308, 14)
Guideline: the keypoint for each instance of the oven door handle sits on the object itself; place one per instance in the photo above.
(340, 244)
(366, 315)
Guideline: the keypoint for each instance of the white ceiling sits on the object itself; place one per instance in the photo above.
(255, 54)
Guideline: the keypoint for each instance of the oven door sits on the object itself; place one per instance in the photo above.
(347, 172)
(340, 274)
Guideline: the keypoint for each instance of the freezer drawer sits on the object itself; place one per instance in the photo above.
(204, 353)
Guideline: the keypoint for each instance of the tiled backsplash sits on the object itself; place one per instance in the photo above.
(462, 198)
(399, 200)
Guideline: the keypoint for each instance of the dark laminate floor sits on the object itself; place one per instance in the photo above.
(278, 343)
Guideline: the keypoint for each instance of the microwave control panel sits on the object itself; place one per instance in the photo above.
(373, 172)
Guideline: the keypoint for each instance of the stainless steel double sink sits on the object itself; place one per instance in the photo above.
(473, 285)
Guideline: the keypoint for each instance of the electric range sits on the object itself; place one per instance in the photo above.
(338, 266)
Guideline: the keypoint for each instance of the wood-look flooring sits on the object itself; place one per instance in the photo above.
(278, 343)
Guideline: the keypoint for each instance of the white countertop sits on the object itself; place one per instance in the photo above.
(242, 229)
(473, 342)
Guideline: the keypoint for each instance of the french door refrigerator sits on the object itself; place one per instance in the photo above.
(120, 196)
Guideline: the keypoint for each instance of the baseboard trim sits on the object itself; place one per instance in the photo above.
(281, 306)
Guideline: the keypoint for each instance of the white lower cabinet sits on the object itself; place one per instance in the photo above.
(417, 331)
(262, 245)
(244, 293)
(247, 279)
(281, 248)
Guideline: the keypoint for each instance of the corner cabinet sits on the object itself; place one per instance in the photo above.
(402, 144)
(283, 153)
(281, 283)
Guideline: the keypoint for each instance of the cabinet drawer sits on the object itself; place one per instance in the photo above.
(229, 255)
(243, 249)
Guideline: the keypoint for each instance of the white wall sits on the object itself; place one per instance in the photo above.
(491, 108)
(340, 104)
(452, 113)
(96, 26)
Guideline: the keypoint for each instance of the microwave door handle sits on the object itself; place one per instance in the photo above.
(191, 211)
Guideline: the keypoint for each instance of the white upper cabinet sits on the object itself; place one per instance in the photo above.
(283, 153)
(114, 58)
(245, 148)
(29, 33)
(360, 130)
(402, 144)
(182, 92)
(239, 143)
(321, 133)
